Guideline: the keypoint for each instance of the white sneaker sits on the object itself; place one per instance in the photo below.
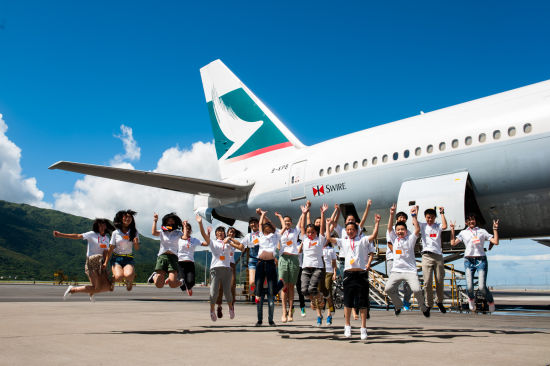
(347, 331)
(472, 304)
(67, 292)
(491, 307)
(92, 298)
(363, 333)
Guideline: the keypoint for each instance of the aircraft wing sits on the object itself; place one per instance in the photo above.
(544, 242)
(165, 181)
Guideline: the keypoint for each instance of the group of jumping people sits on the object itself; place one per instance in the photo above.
(301, 255)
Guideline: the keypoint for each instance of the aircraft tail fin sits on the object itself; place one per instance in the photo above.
(243, 126)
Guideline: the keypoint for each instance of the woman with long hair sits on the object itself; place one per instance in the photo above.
(96, 258)
(231, 233)
(124, 241)
(167, 259)
(186, 258)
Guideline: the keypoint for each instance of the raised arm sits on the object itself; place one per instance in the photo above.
(365, 214)
(414, 213)
(324, 209)
(327, 233)
(205, 236)
(305, 211)
(57, 234)
(376, 227)
(334, 217)
(390, 220)
(154, 230)
(443, 219)
(308, 215)
(494, 239)
(281, 220)
(262, 220)
(234, 243)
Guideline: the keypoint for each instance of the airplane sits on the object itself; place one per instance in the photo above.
(489, 156)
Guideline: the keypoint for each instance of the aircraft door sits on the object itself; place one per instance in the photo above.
(296, 181)
(448, 191)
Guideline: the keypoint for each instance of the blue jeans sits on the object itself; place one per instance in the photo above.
(266, 270)
(479, 264)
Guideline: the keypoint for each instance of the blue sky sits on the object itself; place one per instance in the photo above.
(71, 73)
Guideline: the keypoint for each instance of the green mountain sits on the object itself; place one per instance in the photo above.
(29, 251)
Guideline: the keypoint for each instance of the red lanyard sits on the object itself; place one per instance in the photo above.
(352, 245)
(474, 234)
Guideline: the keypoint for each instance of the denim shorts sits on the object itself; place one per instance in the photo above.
(122, 261)
(252, 262)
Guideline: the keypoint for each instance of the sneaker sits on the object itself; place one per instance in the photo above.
(231, 313)
(397, 312)
(68, 292)
(92, 298)
(347, 331)
(319, 321)
(303, 312)
(220, 313)
(189, 292)
(426, 312)
(406, 305)
(329, 320)
(492, 307)
(151, 278)
(258, 324)
(472, 304)
(256, 300)
(363, 334)
(213, 316)
(271, 323)
(441, 307)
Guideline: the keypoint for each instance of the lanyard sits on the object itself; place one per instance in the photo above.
(103, 239)
(352, 245)
(474, 234)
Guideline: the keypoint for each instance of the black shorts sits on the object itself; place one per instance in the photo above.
(356, 289)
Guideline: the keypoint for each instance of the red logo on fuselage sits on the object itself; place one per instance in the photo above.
(318, 191)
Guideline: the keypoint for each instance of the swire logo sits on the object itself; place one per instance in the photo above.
(318, 191)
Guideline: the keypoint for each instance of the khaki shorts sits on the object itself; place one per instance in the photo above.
(167, 263)
(289, 266)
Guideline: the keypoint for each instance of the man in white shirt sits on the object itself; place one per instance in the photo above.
(474, 257)
(404, 263)
(404, 288)
(432, 256)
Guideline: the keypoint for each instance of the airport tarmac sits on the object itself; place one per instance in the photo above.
(150, 325)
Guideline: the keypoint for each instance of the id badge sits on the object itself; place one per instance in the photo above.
(256, 241)
(314, 244)
(289, 243)
(222, 257)
(351, 261)
(433, 235)
(103, 246)
(398, 251)
(126, 237)
(476, 240)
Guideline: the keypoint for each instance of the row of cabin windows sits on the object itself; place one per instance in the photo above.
(527, 128)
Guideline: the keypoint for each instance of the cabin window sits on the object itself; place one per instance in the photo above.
(355, 165)
(406, 154)
(482, 137)
(496, 134)
(321, 172)
(337, 169)
(346, 166)
(374, 160)
(365, 162)
(430, 149)
(468, 140)
(418, 151)
(384, 158)
(527, 128)
(442, 146)
(395, 156)
(454, 143)
(512, 131)
(329, 170)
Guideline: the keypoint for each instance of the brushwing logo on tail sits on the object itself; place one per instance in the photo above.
(241, 129)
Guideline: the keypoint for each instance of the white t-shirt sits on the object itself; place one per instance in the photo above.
(289, 240)
(313, 252)
(186, 249)
(169, 241)
(431, 237)
(389, 253)
(220, 253)
(96, 243)
(252, 241)
(328, 256)
(122, 242)
(355, 251)
(474, 239)
(341, 231)
(403, 252)
(232, 255)
(268, 243)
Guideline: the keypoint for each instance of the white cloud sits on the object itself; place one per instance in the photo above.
(131, 149)
(99, 197)
(522, 258)
(14, 187)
